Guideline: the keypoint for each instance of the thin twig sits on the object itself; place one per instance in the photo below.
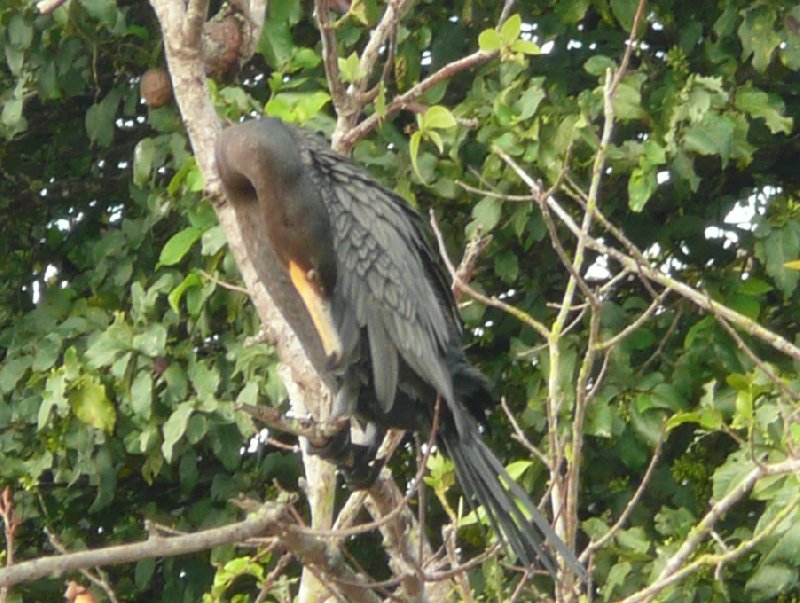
(636, 324)
(763, 366)
(330, 56)
(629, 508)
(489, 301)
(100, 580)
(316, 432)
(627, 262)
(350, 138)
(272, 576)
(520, 436)
(224, 284)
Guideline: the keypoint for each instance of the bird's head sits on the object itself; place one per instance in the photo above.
(260, 163)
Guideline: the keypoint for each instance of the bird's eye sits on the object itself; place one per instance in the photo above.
(313, 276)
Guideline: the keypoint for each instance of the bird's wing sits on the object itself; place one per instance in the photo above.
(387, 274)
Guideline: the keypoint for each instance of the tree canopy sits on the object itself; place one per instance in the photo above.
(616, 185)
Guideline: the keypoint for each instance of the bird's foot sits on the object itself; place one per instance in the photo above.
(334, 447)
(357, 462)
(360, 468)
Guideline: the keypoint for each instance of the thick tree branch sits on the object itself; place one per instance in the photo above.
(306, 391)
(258, 524)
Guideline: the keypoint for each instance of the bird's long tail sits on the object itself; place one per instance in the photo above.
(484, 479)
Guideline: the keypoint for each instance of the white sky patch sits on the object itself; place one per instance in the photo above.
(255, 442)
(115, 213)
(599, 270)
(548, 46)
(662, 177)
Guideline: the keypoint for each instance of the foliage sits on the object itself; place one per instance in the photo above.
(123, 355)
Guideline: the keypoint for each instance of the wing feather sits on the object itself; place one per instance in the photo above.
(387, 274)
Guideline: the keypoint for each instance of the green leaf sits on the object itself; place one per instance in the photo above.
(768, 107)
(116, 339)
(487, 213)
(641, 185)
(145, 568)
(142, 394)
(768, 581)
(90, 403)
(628, 102)
(213, 240)
(47, 352)
(192, 280)
(711, 136)
(175, 427)
(12, 112)
(413, 151)
(759, 37)
(489, 40)
(54, 397)
(779, 247)
(506, 265)
(106, 477)
(624, 11)
(178, 245)
(12, 371)
(525, 47)
(19, 31)
(100, 118)
(730, 474)
(350, 68)
(438, 117)
(510, 30)
(571, 11)
(517, 468)
(598, 65)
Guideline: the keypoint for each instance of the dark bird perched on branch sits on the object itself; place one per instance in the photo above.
(350, 268)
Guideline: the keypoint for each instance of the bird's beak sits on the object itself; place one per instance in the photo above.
(321, 314)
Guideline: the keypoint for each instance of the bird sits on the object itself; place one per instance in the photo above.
(349, 264)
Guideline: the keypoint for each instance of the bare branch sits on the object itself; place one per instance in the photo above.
(255, 525)
(316, 432)
(489, 301)
(701, 301)
(330, 57)
(350, 138)
(722, 506)
(97, 577)
(636, 324)
(196, 12)
(520, 436)
(718, 560)
(378, 39)
(626, 513)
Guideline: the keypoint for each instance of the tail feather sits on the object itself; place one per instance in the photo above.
(484, 479)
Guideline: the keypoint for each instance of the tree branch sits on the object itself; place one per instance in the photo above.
(350, 138)
(264, 521)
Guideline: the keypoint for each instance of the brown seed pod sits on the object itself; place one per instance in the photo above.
(76, 593)
(222, 41)
(156, 88)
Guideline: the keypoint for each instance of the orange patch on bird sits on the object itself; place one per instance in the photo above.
(319, 309)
